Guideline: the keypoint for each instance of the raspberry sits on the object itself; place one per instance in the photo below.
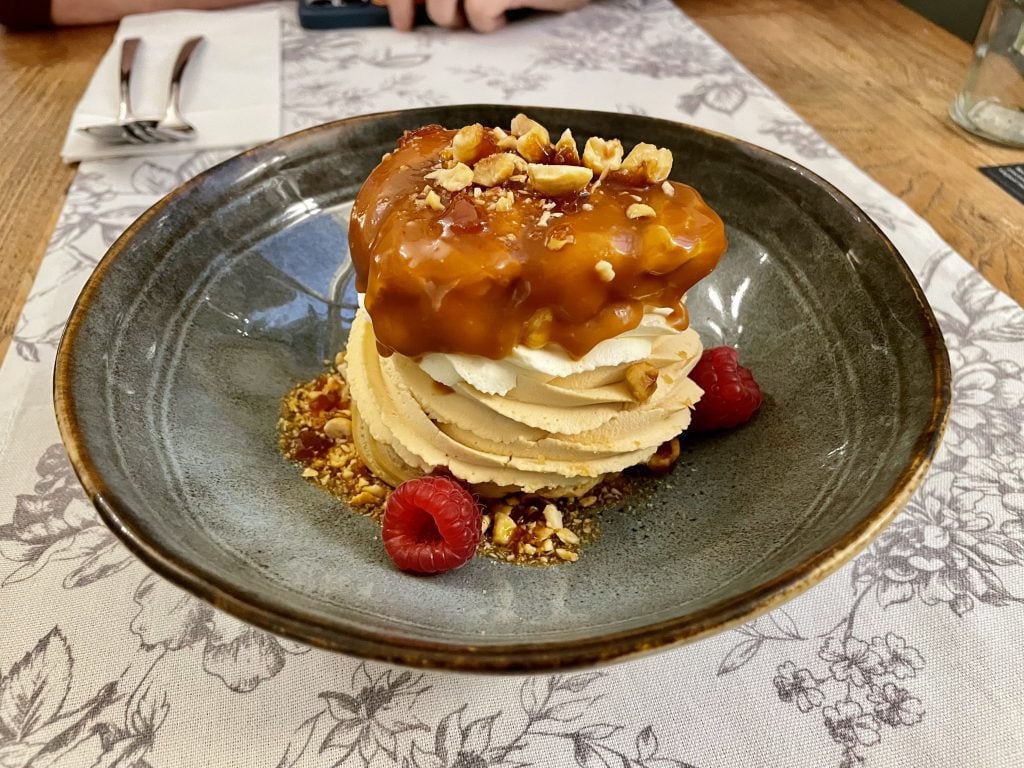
(431, 525)
(731, 396)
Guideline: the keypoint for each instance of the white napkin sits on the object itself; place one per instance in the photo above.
(231, 90)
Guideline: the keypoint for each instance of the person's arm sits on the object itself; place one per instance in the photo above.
(481, 15)
(99, 11)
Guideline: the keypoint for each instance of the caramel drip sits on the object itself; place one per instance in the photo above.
(474, 279)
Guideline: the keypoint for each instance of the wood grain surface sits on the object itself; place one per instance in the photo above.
(873, 77)
(876, 80)
(42, 77)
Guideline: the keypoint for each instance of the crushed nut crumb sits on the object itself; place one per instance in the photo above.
(506, 201)
(639, 211)
(555, 243)
(553, 516)
(605, 271)
(338, 428)
(433, 200)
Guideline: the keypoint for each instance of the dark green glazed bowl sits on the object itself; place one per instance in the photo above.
(237, 285)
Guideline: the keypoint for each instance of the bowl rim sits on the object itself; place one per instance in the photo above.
(287, 621)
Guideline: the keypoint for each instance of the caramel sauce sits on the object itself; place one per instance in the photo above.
(477, 280)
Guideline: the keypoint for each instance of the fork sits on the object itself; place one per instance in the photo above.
(128, 128)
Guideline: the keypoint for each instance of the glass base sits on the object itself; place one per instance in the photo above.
(990, 120)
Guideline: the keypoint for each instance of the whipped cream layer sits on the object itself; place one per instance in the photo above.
(535, 421)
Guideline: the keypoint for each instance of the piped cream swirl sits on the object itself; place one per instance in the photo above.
(536, 421)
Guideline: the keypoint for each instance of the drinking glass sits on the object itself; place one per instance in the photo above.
(991, 102)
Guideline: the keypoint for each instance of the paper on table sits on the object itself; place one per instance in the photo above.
(231, 91)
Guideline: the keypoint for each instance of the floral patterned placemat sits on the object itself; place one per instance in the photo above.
(910, 656)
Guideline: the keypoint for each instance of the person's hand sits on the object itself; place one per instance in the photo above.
(481, 15)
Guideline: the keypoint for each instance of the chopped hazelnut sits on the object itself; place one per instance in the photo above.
(534, 144)
(309, 472)
(362, 499)
(600, 155)
(556, 243)
(566, 149)
(433, 200)
(639, 211)
(668, 189)
(494, 169)
(338, 428)
(538, 328)
(506, 201)
(378, 490)
(605, 271)
(553, 516)
(543, 532)
(468, 143)
(504, 527)
(665, 456)
(458, 177)
(556, 180)
(641, 380)
(567, 536)
(565, 554)
(648, 163)
(521, 125)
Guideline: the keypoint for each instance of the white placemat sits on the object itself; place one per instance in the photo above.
(908, 657)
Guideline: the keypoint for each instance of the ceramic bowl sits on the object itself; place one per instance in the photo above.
(237, 285)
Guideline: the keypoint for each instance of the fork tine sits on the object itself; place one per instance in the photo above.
(142, 134)
(168, 136)
(130, 137)
(160, 136)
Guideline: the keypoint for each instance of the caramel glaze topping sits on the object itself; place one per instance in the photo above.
(477, 274)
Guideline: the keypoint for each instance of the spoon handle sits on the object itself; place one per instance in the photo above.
(173, 114)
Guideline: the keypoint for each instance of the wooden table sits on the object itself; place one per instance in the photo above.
(873, 77)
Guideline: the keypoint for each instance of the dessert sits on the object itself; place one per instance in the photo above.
(522, 328)
(522, 322)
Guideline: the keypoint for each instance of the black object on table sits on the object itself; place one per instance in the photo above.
(337, 14)
(1009, 177)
